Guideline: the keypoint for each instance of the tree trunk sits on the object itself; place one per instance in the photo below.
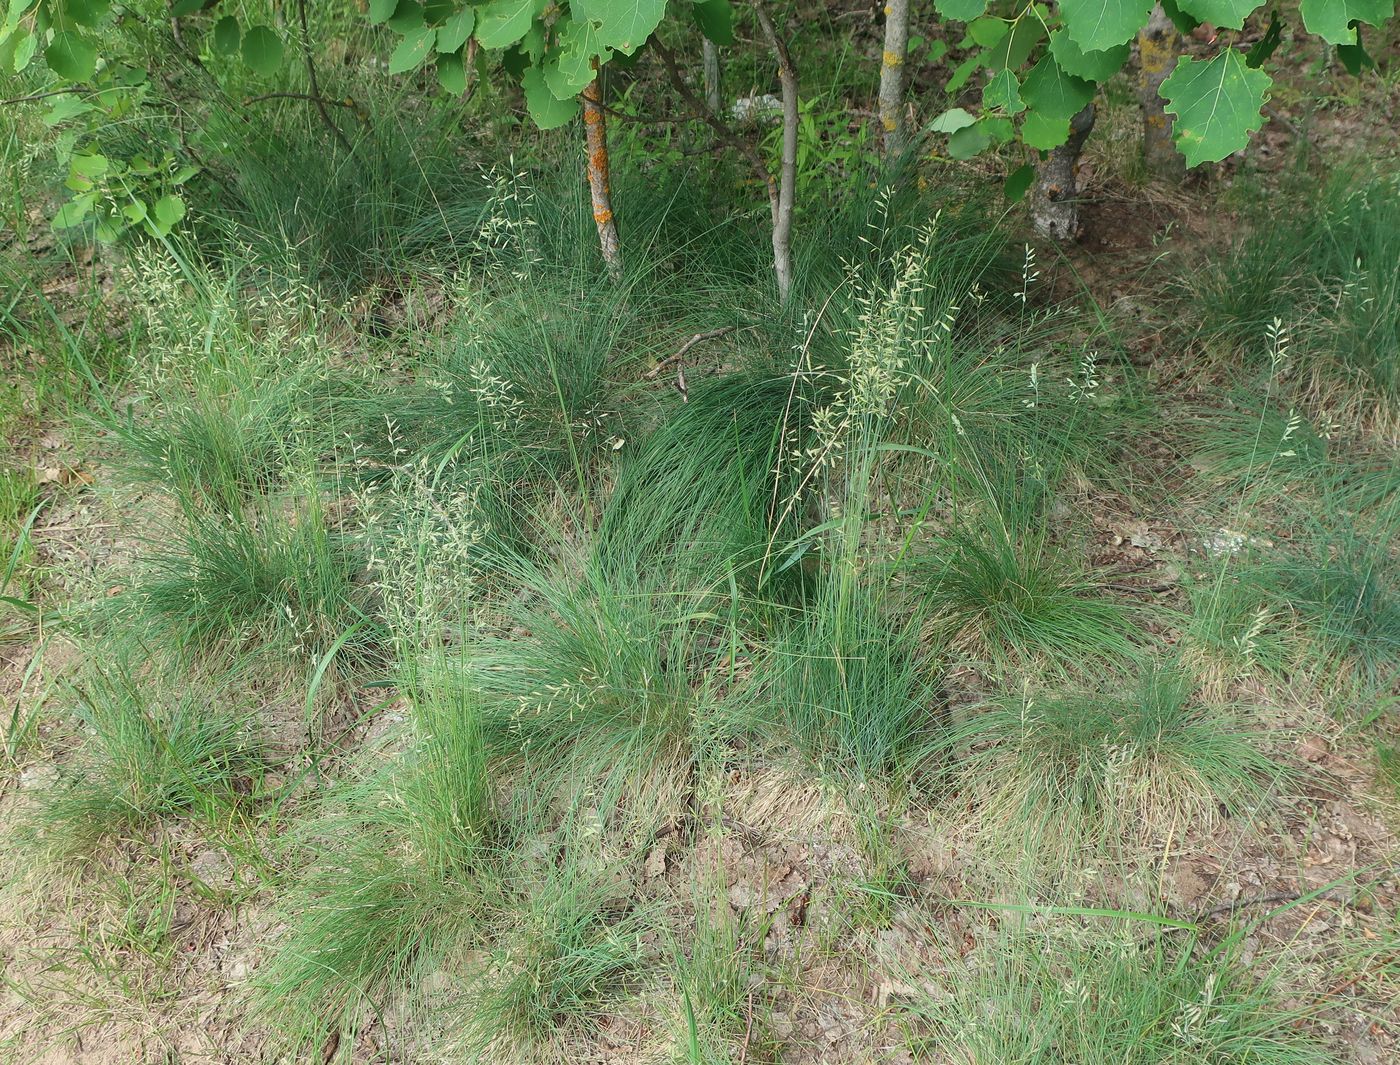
(714, 97)
(1159, 44)
(787, 171)
(892, 77)
(596, 135)
(1054, 208)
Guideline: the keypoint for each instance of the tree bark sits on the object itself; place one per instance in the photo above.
(1159, 44)
(596, 137)
(1055, 208)
(787, 170)
(892, 77)
(714, 96)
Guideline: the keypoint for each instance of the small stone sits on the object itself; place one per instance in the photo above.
(1313, 748)
(38, 776)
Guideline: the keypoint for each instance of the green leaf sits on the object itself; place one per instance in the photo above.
(456, 30)
(412, 50)
(1051, 93)
(1013, 49)
(1018, 183)
(1355, 57)
(1266, 45)
(623, 24)
(715, 19)
(546, 109)
(1180, 19)
(1091, 66)
(960, 10)
(227, 35)
(570, 69)
(962, 72)
(89, 166)
(181, 8)
(407, 17)
(1003, 93)
(503, 22)
(380, 11)
(88, 12)
(969, 141)
(1097, 25)
(134, 211)
(452, 73)
(952, 120)
(1227, 14)
(71, 56)
(75, 211)
(167, 211)
(999, 129)
(989, 30)
(262, 50)
(1042, 133)
(1331, 19)
(26, 45)
(1217, 104)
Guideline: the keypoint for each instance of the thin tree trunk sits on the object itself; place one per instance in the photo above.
(1159, 44)
(714, 96)
(1055, 209)
(787, 172)
(892, 77)
(596, 135)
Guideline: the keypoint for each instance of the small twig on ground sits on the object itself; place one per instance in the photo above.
(698, 338)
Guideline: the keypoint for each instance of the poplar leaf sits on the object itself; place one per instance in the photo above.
(547, 110)
(715, 19)
(1227, 14)
(1217, 104)
(71, 56)
(1100, 24)
(1091, 65)
(1042, 133)
(412, 50)
(1052, 93)
(503, 22)
(227, 35)
(960, 10)
(1331, 19)
(451, 73)
(623, 24)
(262, 50)
(1003, 93)
(454, 32)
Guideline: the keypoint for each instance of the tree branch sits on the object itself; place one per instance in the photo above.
(722, 131)
(315, 87)
(300, 96)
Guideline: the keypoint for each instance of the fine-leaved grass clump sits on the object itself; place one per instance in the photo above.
(699, 493)
(1328, 274)
(600, 669)
(1002, 589)
(1078, 995)
(150, 749)
(282, 584)
(570, 946)
(1330, 600)
(852, 687)
(400, 871)
(717, 961)
(1064, 771)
